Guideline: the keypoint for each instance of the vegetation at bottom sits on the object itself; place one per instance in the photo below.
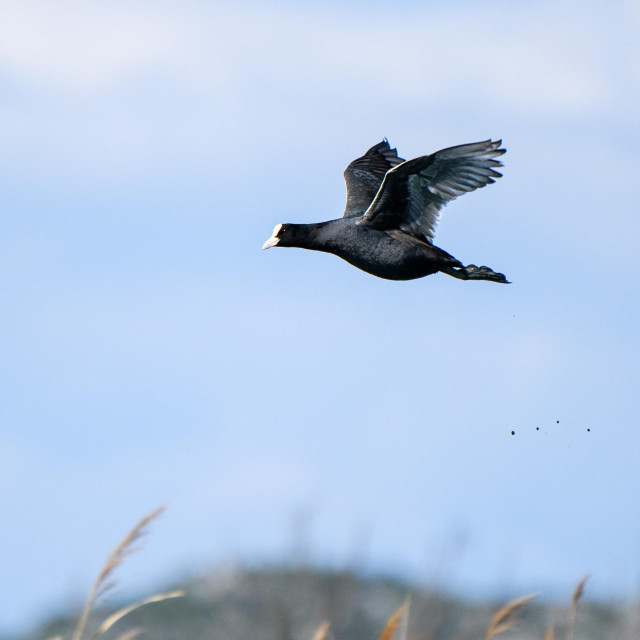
(310, 604)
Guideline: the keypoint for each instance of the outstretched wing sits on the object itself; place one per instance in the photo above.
(413, 193)
(365, 174)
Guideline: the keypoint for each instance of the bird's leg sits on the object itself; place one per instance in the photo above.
(471, 272)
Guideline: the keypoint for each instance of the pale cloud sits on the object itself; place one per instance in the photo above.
(122, 91)
(534, 62)
(74, 46)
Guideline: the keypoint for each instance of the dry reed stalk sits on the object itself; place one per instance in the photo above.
(121, 613)
(575, 603)
(391, 627)
(115, 559)
(550, 635)
(404, 624)
(322, 632)
(131, 634)
(505, 618)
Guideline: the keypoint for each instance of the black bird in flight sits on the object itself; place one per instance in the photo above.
(393, 207)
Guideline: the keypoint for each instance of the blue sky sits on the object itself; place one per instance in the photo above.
(152, 353)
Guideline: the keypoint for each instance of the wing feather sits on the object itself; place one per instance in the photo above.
(413, 194)
(364, 176)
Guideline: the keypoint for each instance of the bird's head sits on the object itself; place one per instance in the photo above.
(282, 236)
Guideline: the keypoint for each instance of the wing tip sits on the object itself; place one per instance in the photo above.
(497, 146)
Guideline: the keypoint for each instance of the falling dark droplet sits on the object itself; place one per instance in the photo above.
(557, 421)
(513, 433)
(588, 429)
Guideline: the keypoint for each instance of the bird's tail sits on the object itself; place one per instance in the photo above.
(471, 272)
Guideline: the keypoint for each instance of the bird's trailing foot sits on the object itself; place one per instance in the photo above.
(471, 272)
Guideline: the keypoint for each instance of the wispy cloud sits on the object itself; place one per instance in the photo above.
(544, 59)
(92, 91)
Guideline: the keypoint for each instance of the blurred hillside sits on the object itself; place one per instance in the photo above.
(287, 604)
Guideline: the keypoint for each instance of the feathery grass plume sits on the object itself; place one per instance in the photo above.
(322, 632)
(121, 613)
(391, 627)
(404, 623)
(115, 559)
(550, 635)
(131, 634)
(505, 618)
(575, 603)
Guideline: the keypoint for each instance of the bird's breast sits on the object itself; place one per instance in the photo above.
(384, 255)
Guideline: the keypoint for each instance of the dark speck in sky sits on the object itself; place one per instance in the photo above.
(513, 433)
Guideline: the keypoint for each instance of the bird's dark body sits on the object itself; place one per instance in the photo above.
(387, 254)
(393, 207)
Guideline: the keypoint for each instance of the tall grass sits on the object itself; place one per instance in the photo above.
(104, 583)
(505, 619)
(502, 621)
(396, 627)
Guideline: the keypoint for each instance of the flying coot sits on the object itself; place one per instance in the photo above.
(393, 207)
